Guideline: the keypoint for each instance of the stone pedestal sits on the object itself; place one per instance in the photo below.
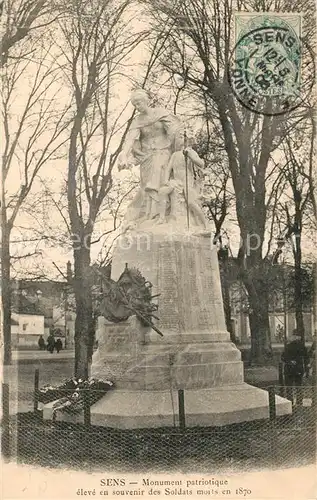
(195, 354)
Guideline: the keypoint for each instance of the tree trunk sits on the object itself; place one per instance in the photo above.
(298, 288)
(227, 309)
(261, 350)
(226, 297)
(254, 279)
(6, 292)
(84, 325)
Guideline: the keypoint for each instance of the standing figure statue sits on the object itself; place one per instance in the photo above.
(168, 191)
(153, 137)
(180, 190)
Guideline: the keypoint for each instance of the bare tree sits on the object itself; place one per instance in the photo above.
(33, 124)
(296, 205)
(199, 49)
(98, 41)
(21, 18)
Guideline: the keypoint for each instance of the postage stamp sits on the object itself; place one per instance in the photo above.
(265, 65)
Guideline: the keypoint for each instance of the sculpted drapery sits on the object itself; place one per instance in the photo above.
(155, 142)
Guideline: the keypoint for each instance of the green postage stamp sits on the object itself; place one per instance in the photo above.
(265, 69)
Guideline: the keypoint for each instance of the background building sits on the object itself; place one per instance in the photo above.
(41, 307)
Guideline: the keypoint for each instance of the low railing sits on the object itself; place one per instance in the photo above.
(276, 441)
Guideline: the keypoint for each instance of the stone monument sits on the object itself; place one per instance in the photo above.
(166, 237)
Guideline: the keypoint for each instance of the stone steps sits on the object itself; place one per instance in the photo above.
(158, 377)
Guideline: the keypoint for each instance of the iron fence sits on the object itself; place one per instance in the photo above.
(288, 440)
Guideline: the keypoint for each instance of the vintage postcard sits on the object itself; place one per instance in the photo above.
(158, 256)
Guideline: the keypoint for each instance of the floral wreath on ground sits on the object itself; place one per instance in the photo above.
(72, 395)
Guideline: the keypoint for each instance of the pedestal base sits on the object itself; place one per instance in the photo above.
(217, 406)
(195, 354)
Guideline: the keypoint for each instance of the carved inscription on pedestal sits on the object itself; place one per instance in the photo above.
(168, 287)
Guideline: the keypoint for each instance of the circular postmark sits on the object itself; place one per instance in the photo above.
(266, 69)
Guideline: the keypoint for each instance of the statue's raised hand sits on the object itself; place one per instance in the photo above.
(190, 153)
(193, 156)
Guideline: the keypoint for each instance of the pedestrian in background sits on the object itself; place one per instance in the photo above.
(50, 343)
(295, 358)
(41, 343)
(58, 345)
